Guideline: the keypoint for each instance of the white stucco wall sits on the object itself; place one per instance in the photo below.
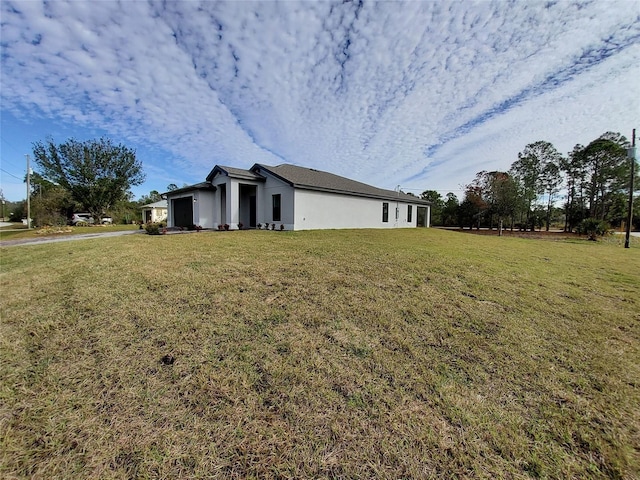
(320, 210)
(274, 186)
(157, 214)
(203, 208)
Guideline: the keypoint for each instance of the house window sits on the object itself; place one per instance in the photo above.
(409, 213)
(385, 212)
(276, 207)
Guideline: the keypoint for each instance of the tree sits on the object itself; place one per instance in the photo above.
(607, 170)
(171, 187)
(96, 173)
(503, 196)
(472, 207)
(499, 196)
(575, 175)
(154, 196)
(50, 203)
(437, 205)
(550, 181)
(528, 172)
(450, 210)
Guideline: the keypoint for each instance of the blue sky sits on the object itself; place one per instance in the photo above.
(417, 94)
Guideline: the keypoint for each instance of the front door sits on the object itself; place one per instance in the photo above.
(422, 217)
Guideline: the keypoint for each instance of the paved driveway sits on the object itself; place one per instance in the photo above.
(66, 238)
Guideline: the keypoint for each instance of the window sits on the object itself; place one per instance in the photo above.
(276, 207)
(385, 212)
(409, 213)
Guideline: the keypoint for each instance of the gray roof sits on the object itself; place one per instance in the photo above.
(312, 179)
(158, 204)
(234, 173)
(188, 188)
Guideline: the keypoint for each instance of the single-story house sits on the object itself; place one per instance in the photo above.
(154, 212)
(293, 197)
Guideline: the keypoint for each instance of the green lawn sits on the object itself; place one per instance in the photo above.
(332, 354)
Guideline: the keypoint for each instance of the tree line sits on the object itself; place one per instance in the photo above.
(592, 183)
(94, 176)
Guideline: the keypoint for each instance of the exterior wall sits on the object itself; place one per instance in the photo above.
(320, 210)
(203, 203)
(154, 214)
(170, 205)
(203, 208)
(274, 186)
(158, 214)
(231, 203)
(300, 209)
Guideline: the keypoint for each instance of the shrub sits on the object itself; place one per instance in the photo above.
(593, 228)
(153, 228)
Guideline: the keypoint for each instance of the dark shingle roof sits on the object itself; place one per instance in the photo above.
(234, 173)
(312, 179)
(197, 186)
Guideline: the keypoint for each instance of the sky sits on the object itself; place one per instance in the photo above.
(421, 95)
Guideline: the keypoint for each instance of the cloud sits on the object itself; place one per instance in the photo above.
(415, 93)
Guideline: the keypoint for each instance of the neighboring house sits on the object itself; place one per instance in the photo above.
(297, 198)
(154, 212)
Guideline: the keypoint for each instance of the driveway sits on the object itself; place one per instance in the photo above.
(66, 238)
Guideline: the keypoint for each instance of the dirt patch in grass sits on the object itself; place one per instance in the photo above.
(535, 235)
(344, 354)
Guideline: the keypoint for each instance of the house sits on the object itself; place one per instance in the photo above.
(295, 197)
(154, 212)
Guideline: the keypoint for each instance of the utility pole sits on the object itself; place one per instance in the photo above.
(28, 192)
(632, 157)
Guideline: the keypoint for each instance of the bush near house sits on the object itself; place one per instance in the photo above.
(154, 228)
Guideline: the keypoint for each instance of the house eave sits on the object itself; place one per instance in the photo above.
(205, 186)
(391, 196)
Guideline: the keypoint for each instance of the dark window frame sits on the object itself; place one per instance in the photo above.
(385, 212)
(409, 213)
(276, 204)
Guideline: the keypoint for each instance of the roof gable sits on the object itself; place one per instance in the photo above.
(232, 172)
(312, 179)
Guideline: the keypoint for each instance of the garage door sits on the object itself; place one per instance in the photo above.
(182, 209)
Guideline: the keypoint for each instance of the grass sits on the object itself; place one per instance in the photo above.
(20, 232)
(330, 354)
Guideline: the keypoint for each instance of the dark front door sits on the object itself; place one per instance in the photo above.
(422, 217)
(182, 211)
(252, 211)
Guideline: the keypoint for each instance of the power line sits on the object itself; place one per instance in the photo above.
(9, 173)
